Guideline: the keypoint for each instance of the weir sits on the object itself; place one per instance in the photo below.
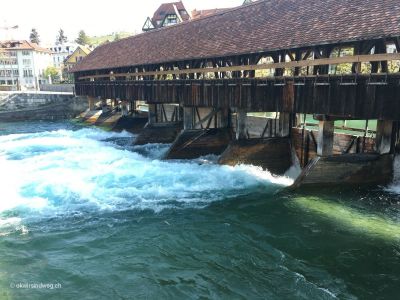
(163, 126)
(210, 99)
(206, 131)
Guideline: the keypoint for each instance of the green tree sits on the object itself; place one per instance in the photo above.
(82, 39)
(34, 36)
(117, 36)
(61, 37)
(53, 72)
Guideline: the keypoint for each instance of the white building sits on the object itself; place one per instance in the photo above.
(61, 52)
(22, 64)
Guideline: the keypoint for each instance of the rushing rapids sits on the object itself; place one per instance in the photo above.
(83, 208)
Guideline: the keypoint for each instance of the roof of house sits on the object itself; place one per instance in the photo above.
(22, 45)
(169, 9)
(84, 49)
(206, 12)
(262, 26)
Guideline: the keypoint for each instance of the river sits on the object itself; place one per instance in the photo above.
(85, 215)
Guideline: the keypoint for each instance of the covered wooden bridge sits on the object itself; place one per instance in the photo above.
(332, 59)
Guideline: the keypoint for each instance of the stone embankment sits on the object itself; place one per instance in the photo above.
(40, 106)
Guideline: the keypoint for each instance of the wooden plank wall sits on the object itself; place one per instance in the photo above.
(361, 97)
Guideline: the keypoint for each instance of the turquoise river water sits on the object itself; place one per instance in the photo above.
(85, 215)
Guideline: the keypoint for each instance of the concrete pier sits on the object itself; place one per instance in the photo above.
(347, 169)
(271, 150)
(272, 154)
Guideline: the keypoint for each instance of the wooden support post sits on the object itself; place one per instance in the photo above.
(325, 138)
(104, 105)
(223, 118)
(132, 106)
(297, 121)
(92, 102)
(383, 140)
(124, 108)
(152, 113)
(241, 128)
(284, 124)
(188, 118)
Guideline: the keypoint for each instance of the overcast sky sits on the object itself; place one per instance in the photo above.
(95, 17)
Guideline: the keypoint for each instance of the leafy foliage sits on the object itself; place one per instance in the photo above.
(82, 39)
(34, 36)
(61, 37)
(53, 72)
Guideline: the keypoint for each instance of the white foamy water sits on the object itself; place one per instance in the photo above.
(65, 171)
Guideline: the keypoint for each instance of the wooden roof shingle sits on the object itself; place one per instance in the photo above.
(265, 25)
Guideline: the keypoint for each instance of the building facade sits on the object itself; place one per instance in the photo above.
(80, 53)
(22, 65)
(61, 52)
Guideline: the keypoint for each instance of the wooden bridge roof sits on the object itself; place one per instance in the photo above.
(263, 26)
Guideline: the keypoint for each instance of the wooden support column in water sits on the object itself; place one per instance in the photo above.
(325, 138)
(92, 102)
(383, 141)
(188, 118)
(224, 118)
(104, 105)
(152, 113)
(124, 108)
(132, 106)
(284, 124)
(241, 119)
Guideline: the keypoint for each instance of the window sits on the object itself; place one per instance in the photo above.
(28, 73)
(8, 73)
(170, 20)
(25, 53)
(8, 62)
(26, 62)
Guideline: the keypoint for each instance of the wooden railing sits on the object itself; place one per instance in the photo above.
(267, 66)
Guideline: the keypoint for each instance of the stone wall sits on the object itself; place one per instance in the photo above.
(40, 106)
(61, 88)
